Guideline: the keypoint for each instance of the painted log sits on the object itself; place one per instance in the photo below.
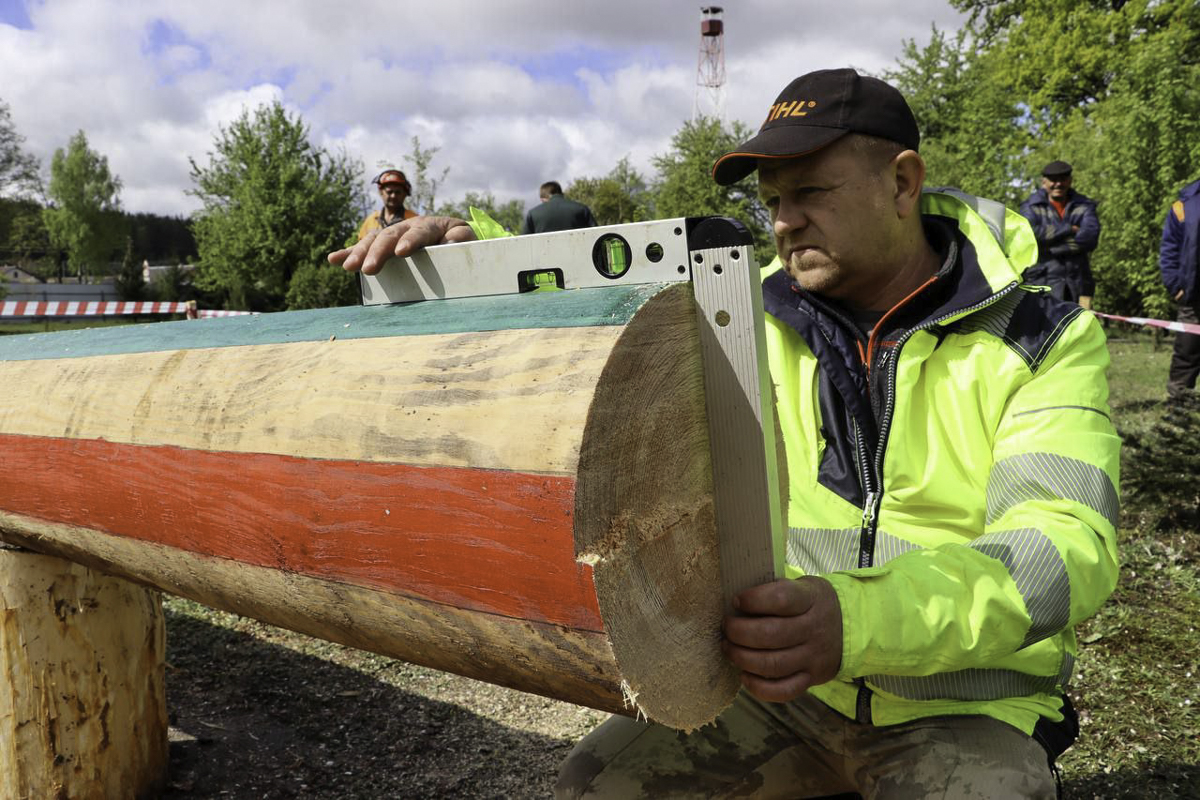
(516, 489)
(83, 707)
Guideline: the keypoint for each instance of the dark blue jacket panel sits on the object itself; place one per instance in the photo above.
(1181, 245)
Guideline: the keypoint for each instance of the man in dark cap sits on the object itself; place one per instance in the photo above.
(394, 189)
(1067, 229)
(556, 213)
(952, 501)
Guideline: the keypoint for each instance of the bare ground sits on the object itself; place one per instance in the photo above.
(258, 712)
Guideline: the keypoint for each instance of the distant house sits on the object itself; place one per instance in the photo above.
(14, 274)
(157, 272)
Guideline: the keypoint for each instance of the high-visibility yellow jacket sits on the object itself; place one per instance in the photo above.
(374, 221)
(961, 494)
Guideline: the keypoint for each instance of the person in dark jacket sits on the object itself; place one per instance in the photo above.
(557, 213)
(1067, 229)
(1177, 261)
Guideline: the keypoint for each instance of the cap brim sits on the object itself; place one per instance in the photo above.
(785, 141)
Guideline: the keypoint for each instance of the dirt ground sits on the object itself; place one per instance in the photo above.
(257, 712)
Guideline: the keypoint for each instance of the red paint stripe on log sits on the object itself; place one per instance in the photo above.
(490, 541)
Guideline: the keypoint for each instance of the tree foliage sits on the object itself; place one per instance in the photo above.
(685, 187)
(1111, 86)
(130, 282)
(510, 214)
(620, 196)
(84, 219)
(970, 132)
(274, 205)
(18, 169)
(424, 179)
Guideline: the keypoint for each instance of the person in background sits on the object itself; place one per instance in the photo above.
(1177, 261)
(394, 189)
(1067, 229)
(557, 213)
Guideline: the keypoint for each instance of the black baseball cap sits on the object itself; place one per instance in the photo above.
(1056, 168)
(817, 109)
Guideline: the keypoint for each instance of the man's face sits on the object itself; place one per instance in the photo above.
(834, 221)
(1057, 186)
(393, 196)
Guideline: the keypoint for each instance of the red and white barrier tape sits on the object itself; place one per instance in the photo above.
(1181, 327)
(102, 308)
(74, 308)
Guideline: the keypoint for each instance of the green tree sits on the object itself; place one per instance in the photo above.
(84, 218)
(424, 179)
(18, 169)
(130, 282)
(618, 197)
(322, 286)
(174, 285)
(510, 214)
(684, 186)
(971, 136)
(273, 203)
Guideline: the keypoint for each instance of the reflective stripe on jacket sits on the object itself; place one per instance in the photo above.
(962, 496)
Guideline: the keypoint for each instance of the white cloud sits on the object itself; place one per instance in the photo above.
(512, 93)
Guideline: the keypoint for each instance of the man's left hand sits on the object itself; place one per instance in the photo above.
(402, 239)
(789, 639)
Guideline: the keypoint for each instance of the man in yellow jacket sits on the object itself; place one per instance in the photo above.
(394, 189)
(953, 479)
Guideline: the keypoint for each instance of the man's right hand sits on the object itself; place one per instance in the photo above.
(402, 239)
(1179, 295)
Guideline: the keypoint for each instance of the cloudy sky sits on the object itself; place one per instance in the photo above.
(512, 92)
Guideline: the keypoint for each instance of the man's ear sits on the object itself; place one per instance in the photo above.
(909, 171)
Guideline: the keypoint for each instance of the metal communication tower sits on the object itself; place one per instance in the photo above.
(710, 67)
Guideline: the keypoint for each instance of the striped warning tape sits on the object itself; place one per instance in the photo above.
(103, 308)
(75, 308)
(1181, 327)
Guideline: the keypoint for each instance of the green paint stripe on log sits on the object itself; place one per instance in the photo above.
(614, 305)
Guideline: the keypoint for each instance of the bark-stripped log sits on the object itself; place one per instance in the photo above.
(516, 489)
(83, 710)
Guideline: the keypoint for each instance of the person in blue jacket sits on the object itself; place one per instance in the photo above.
(1177, 262)
(1067, 229)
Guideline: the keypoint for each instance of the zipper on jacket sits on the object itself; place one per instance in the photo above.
(862, 704)
(873, 478)
(889, 402)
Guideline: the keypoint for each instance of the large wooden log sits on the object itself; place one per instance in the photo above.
(517, 488)
(83, 710)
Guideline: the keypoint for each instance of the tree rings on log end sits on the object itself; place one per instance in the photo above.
(644, 518)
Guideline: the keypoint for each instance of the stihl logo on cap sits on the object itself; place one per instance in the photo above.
(794, 108)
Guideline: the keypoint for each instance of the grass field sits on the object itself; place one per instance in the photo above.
(1138, 675)
(49, 326)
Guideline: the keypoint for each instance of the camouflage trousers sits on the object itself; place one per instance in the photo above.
(804, 749)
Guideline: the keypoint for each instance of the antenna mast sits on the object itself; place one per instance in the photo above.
(710, 66)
